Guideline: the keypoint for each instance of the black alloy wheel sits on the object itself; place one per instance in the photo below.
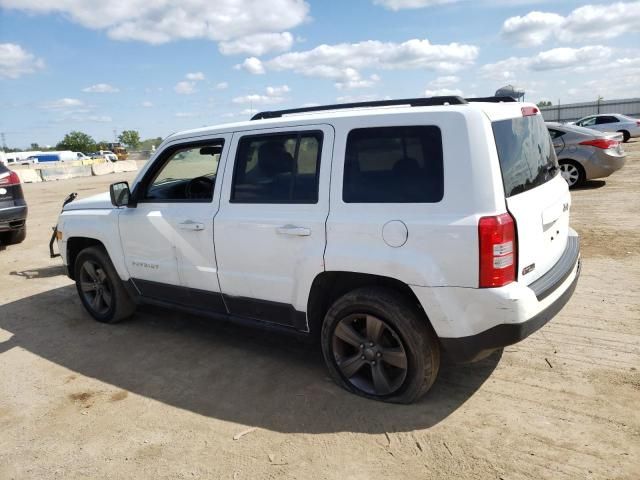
(369, 354)
(96, 288)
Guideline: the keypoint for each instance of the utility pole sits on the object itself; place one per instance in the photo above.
(4, 142)
(115, 135)
(558, 110)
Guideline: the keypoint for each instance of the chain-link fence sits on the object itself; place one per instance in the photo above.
(574, 111)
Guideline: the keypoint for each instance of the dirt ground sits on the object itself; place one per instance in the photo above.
(171, 396)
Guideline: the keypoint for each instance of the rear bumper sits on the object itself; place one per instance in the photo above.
(472, 322)
(13, 218)
(601, 164)
(468, 349)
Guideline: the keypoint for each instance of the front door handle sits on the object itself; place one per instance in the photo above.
(191, 225)
(294, 230)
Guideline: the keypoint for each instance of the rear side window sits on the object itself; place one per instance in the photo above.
(527, 157)
(393, 165)
(281, 168)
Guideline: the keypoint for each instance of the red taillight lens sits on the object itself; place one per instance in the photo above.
(497, 242)
(9, 180)
(527, 111)
(601, 143)
(638, 123)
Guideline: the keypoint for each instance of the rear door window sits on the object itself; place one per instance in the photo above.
(278, 168)
(606, 119)
(527, 158)
(393, 165)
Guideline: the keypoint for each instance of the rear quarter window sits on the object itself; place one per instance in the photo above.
(393, 165)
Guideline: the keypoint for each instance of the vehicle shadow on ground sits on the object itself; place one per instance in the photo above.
(235, 374)
(590, 185)
(45, 272)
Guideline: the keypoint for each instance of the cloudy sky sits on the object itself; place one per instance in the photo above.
(164, 65)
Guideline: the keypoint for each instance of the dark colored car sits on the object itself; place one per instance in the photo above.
(13, 208)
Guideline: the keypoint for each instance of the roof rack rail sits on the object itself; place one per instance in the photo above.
(491, 99)
(413, 102)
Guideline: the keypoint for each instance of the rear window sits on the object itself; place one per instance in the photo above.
(3, 169)
(527, 158)
(393, 165)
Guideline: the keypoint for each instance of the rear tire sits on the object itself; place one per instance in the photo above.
(572, 172)
(378, 345)
(625, 135)
(15, 236)
(100, 288)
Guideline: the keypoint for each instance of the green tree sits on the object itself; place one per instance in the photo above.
(544, 103)
(77, 142)
(34, 146)
(131, 138)
(146, 144)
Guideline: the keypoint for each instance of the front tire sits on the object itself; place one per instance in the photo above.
(100, 288)
(377, 344)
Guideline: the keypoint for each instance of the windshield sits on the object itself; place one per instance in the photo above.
(527, 157)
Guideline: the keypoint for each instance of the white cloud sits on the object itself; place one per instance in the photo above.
(63, 103)
(446, 81)
(443, 92)
(277, 91)
(272, 95)
(185, 87)
(101, 88)
(557, 58)
(532, 29)
(252, 65)
(258, 44)
(344, 62)
(98, 118)
(589, 22)
(162, 21)
(147, 104)
(352, 79)
(195, 76)
(406, 4)
(222, 86)
(185, 114)
(15, 61)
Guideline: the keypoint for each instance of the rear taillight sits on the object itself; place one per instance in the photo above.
(603, 143)
(9, 180)
(527, 111)
(496, 237)
(638, 124)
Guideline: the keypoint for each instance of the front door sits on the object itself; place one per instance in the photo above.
(168, 237)
(270, 230)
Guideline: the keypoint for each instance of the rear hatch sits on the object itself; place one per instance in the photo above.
(537, 196)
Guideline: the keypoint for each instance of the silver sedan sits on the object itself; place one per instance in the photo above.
(585, 154)
(612, 122)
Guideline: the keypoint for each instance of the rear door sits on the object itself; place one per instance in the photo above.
(558, 140)
(270, 230)
(536, 194)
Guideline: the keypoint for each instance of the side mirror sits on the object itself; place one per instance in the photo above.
(120, 194)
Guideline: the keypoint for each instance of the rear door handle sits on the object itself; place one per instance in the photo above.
(191, 225)
(294, 230)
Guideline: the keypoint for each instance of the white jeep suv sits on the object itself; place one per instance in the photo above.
(396, 231)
